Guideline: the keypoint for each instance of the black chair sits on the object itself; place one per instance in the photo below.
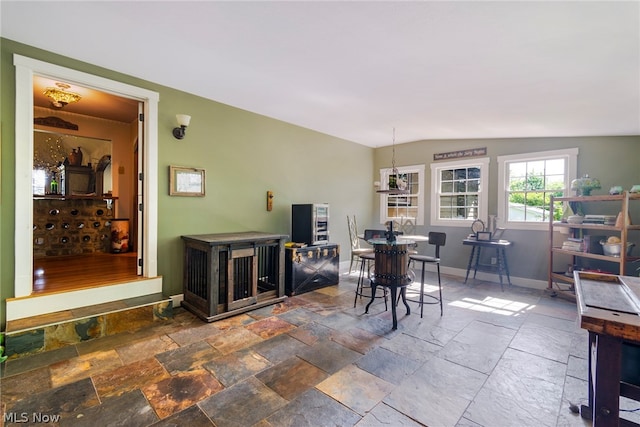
(367, 261)
(438, 240)
(374, 234)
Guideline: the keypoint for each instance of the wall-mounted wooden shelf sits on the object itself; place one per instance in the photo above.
(63, 197)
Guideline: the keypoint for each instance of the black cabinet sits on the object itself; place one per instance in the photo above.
(311, 267)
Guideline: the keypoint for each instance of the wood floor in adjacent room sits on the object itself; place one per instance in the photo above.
(59, 274)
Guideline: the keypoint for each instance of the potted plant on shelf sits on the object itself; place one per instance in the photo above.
(583, 186)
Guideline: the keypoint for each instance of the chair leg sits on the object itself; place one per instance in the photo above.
(359, 285)
(422, 291)
(440, 289)
(365, 270)
(385, 291)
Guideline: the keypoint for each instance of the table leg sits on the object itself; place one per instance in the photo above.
(373, 297)
(475, 270)
(500, 267)
(403, 293)
(473, 250)
(394, 292)
(585, 410)
(506, 266)
(604, 380)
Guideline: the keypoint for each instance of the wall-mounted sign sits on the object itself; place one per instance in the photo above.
(55, 122)
(472, 152)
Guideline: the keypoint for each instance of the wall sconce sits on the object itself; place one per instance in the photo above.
(183, 121)
(269, 201)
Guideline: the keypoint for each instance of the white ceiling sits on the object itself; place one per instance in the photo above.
(355, 70)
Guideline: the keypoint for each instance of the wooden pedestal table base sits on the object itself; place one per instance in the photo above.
(394, 297)
(391, 271)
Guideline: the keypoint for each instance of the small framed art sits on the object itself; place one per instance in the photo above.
(185, 181)
(483, 236)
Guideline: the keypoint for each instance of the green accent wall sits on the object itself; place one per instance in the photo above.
(244, 155)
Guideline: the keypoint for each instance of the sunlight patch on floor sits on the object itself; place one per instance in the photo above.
(501, 306)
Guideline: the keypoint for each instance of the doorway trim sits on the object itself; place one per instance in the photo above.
(26, 68)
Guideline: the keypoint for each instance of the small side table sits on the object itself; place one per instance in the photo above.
(501, 257)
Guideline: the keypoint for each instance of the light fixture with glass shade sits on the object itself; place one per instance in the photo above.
(396, 184)
(183, 121)
(60, 96)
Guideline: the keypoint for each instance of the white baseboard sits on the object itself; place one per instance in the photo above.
(492, 277)
(481, 275)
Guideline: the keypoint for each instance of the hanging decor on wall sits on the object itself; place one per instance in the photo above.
(55, 122)
(186, 181)
(471, 152)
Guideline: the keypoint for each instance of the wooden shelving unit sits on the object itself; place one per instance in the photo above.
(560, 282)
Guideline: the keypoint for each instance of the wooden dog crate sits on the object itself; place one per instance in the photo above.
(230, 273)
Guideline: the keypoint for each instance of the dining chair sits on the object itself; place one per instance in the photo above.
(438, 240)
(367, 266)
(405, 225)
(356, 250)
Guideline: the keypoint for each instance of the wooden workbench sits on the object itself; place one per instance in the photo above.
(609, 308)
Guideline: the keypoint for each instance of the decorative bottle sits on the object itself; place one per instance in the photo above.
(73, 157)
(54, 184)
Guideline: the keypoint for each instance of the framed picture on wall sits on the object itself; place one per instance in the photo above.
(185, 181)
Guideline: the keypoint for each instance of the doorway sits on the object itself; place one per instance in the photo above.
(82, 204)
(148, 282)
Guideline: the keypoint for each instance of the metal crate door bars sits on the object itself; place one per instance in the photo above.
(225, 274)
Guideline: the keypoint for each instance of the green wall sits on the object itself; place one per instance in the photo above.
(244, 155)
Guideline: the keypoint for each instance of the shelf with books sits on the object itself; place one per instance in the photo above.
(582, 248)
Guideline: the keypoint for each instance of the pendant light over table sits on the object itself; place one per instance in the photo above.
(400, 185)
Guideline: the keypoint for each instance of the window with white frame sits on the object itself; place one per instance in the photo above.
(459, 194)
(527, 182)
(39, 182)
(401, 207)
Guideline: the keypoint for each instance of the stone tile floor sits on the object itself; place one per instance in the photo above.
(512, 358)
